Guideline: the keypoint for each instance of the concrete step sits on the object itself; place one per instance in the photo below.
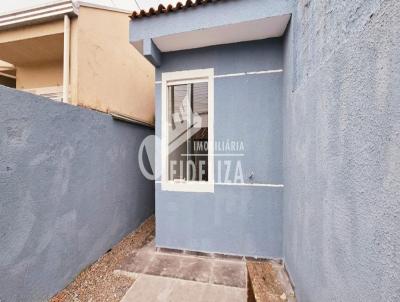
(228, 272)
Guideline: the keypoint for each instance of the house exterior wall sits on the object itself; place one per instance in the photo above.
(45, 74)
(239, 220)
(70, 189)
(32, 45)
(32, 31)
(342, 151)
(108, 73)
(39, 64)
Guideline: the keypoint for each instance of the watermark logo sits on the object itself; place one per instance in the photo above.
(146, 156)
(188, 153)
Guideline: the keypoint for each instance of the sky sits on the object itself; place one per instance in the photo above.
(10, 5)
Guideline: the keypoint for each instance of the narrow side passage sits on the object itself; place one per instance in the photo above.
(99, 282)
(135, 270)
(180, 276)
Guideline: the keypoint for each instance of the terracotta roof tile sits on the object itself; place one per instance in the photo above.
(161, 9)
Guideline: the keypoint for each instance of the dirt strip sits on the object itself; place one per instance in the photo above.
(98, 283)
(268, 282)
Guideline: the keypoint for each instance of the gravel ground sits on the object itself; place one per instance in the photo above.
(98, 283)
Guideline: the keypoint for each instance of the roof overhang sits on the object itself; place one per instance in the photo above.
(38, 14)
(48, 12)
(265, 28)
(46, 48)
(195, 26)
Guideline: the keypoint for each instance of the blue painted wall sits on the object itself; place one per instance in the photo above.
(238, 220)
(70, 188)
(342, 151)
(340, 115)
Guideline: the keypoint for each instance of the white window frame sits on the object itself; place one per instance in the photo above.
(177, 78)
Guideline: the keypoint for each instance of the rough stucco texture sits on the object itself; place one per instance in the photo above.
(342, 151)
(70, 189)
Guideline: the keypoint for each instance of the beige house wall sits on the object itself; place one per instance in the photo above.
(45, 74)
(110, 74)
(32, 31)
(106, 72)
(36, 52)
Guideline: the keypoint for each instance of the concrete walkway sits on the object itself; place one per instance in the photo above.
(220, 271)
(149, 288)
(169, 276)
(135, 271)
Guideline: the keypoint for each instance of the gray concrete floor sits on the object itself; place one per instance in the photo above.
(148, 288)
(162, 276)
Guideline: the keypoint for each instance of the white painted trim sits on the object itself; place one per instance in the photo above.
(35, 7)
(249, 184)
(211, 127)
(190, 186)
(37, 13)
(218, 154)
(265, 71)
(230, 75)
(6, 25)
(48, 11)
(248, 73)
(186, 81)
(242, 184)
(66, 59)
(240, 74)
(188, 76)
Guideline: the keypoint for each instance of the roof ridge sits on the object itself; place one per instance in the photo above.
(161, 9)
